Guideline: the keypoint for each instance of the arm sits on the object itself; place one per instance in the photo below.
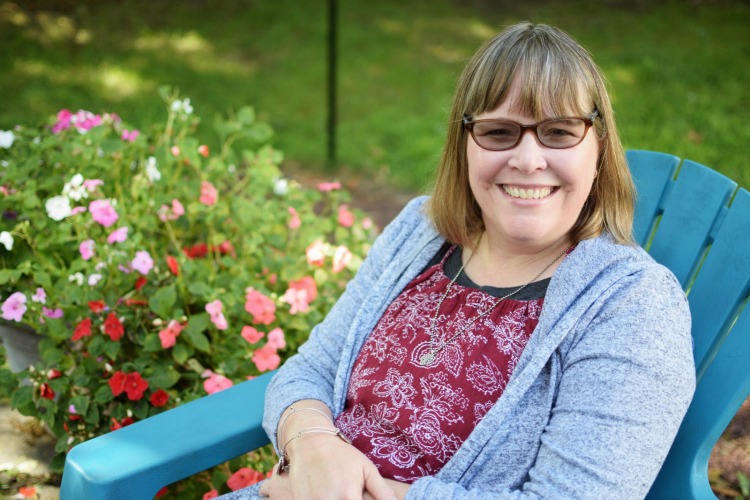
(626, 381)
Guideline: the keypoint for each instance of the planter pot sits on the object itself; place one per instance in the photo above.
(21, 346)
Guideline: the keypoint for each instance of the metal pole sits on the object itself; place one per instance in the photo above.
(332, 28)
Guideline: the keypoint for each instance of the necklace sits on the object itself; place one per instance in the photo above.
(428, 358)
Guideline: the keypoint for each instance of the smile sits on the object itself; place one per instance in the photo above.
(527, 194)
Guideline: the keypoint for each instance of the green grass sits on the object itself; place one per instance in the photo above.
(679, 71)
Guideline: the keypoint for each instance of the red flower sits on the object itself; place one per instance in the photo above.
(27, 491)
(173, 266)
(159, 398)
(117, 382)
(113, 327)
(140, 283)
(46, 391)
(243, 478)
(97, 306)
(203, 150)
(83, 329)
(161, 492)
(196, 251)
(53, 374)
(135, 386)
(131, 302)
(226, 248)
(119, 425)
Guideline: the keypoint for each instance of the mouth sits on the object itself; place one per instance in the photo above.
(536, 193)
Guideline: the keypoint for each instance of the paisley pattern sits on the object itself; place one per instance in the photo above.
(411, 419)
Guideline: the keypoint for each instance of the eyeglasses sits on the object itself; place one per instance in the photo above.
(555, 133)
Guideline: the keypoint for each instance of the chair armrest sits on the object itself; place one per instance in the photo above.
(136, 461)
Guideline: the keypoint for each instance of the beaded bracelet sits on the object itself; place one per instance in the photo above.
(284, 458)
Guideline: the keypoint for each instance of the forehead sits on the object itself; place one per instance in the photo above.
(540, 100)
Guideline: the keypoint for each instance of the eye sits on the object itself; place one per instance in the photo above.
(562, 128)
(497, 130)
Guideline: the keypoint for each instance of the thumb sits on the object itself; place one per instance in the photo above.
(376, 486)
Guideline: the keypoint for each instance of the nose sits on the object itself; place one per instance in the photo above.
(528, 155)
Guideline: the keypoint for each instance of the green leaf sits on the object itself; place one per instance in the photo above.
(162, 301)
(103, 395)
(164, 378)
(111, 349)
(52, 355)
(246, 115)
(194, 330)
(81, 403)
(180, 353)
(152, 343)
(200, 289)
(22, 398)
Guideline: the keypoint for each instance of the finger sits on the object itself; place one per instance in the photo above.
(376, 486)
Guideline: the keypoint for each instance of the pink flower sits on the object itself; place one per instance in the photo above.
(367, 223)
(77, 210)
(315, 253)
(217, 317)
(276, 338)
(294, 221)
(130, 136)
(175, 150)
(215, 382)
(210, 495)
(118, 235)
(52, 313)
(168, 336)
(329, 186)
(209, 194)
(92, 184)
(173, 213)
(266, 358)
(341, 258)
(300, 293)
(346, 217)
(14, 307)
(214, 307)
(103, 212)
(87, 249)
(261, 307)
(142, 262)
(243, 478)
(40, 296)
(63, 121)
(251, 334)
(203, 150)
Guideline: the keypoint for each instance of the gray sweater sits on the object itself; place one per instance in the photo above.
(594, 402)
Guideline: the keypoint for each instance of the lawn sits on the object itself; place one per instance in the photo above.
(679, 71)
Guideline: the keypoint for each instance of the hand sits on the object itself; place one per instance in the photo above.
(398, 487)
(324, 466)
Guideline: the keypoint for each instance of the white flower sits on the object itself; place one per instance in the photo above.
(7, 240)
(182, 106)
(4, 163)
(94, 279)
(76, 278)
(281, 187)
(6, 138)
(75, 189)
(58, 207)
(152, 172)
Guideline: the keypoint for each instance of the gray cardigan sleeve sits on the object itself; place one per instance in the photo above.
(627, 378)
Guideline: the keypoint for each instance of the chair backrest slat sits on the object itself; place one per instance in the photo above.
(652, 173)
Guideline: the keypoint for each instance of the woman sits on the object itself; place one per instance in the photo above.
(504, 338)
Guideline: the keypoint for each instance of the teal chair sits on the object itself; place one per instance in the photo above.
(689, 217)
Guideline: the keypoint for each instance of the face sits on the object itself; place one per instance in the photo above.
(530, 195)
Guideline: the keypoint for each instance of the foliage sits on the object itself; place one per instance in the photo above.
(157, 270)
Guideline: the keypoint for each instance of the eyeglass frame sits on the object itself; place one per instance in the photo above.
(588, 121)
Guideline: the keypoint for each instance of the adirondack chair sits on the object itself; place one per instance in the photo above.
(697, 224)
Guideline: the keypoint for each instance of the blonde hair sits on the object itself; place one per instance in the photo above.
(559, 77)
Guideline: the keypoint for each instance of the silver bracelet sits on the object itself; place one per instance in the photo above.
(284, 458)
(293, 410)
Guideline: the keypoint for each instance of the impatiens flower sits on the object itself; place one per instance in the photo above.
(243, 478)
(215, 382)
(210, 495)
(76, 278)
(171, 213)
(217, 317)
(196, 251)
(94, 279)
(132, 384)
(280, 187)
(140, 282)
(103, 212)
(299, 294)
(143, 263)
(97, 306)
(294, 221)
(52, 374)
(175, 150)
(214, 307)
(52, 313)
(45, 391)
(27, 492)
(266, 358)
(119, 235)
(58, 207)
(63, 121)
(77, 210)
(92, 184)
(209, 194)
(113, 327)
(119, 425)
(6, 138)
(159, 398)
(6, 240)
(183, 106)
(260, 307)
(367, 223)
(83, 329)
(130, 136)
(87, 249)
(40, 296)
(251, 334)
(173, 265)
(341, 258)
(203, 150)
(316, 253)
(75, 189)
(14, 307)
(346, 217)
(152, 171)
(328, 186)
(168, 336)
(276, 338)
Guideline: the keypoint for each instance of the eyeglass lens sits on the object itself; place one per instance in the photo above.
(559, 134)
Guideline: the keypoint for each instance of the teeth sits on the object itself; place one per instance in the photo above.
(527, 194)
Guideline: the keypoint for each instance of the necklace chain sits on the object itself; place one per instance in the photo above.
(429, 357)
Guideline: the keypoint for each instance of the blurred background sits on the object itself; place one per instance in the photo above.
(679, 70)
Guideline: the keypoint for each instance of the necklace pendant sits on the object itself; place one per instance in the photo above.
(427, 358)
